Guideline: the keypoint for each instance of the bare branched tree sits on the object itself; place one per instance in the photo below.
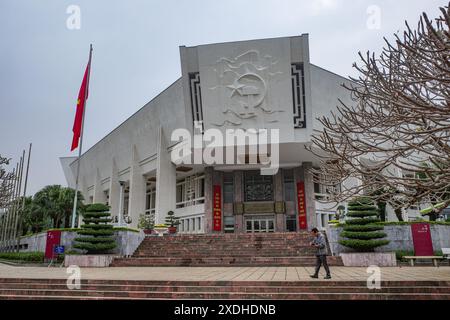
(393, 142)
(5, 182)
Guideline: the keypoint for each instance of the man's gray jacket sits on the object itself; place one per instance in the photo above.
(322, 245)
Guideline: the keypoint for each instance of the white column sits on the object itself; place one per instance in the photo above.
(114, 191)
(166, 180)
(136, 205)
(99, 195)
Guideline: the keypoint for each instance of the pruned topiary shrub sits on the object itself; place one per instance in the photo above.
(97, 230)
(361, 231)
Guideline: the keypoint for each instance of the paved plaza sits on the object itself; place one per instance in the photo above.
(228, 273)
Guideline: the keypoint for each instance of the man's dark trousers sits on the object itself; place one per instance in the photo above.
(322, 260)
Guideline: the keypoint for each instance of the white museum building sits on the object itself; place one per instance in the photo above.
(266, 84)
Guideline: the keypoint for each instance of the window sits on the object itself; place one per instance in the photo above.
(229, 224)
(288, 185)
(323, 190)
(263, 224)
(126, 201)
(106, 192)
(291, 223)
(190, 191)
(199, 224)
(150, 199)
(258, 187)
(228, 188)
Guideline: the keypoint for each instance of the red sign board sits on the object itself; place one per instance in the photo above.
(421, 234)
(217, 208)
(301, 202)
(53, 239)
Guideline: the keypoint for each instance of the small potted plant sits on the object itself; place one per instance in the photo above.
(172, 222)
(146, 223)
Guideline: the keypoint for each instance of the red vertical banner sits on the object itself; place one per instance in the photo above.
(301, 203)
(53, 239)
(421, 234)
(217, 208)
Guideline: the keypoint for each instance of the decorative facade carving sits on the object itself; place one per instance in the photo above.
(244, 83)
(298, 95)
(196, 96)
(258, 187)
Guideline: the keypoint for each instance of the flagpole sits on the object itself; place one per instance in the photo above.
(75, 199)
(19, 234)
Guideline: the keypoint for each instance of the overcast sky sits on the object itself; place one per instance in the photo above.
(136, 56)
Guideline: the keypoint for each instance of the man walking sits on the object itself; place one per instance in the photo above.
(320, 244)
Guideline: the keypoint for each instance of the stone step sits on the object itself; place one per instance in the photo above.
(221, 261)
(240, 249)
(218, 249)
(175, 253)
(262, 283)
(201, 254)
(241, 288)
(227, 251)
(88, 294)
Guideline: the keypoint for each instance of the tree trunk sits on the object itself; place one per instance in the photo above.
(67, 221)
(56, 223)
(398, 213)
(382, 208)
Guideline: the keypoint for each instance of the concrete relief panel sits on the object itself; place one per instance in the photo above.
(247, 85)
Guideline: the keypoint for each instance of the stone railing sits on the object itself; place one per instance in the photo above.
(400, 238)
(127, 241)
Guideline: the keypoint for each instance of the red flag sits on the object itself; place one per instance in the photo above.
(82, 97)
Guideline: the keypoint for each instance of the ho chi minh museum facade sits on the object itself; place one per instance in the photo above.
(258, 86)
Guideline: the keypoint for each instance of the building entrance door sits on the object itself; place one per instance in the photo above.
(260, 224)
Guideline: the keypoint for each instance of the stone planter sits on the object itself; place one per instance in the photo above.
(160, 231)
(365, 259)
(89, 260)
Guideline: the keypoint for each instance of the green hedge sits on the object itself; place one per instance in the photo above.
(367, 227)
(363, 245)
(126, 229)
(96, 225)
(105, 220)
(366, 235)
(359, 231)
(93, 239)
(23, 256)
(95, 247)
(97, 207)
(361, 221)
(92, 232)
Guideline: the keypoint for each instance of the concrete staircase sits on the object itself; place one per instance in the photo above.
(287, 290)
(247, 249)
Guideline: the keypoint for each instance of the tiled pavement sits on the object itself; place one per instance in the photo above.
(227, 273)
